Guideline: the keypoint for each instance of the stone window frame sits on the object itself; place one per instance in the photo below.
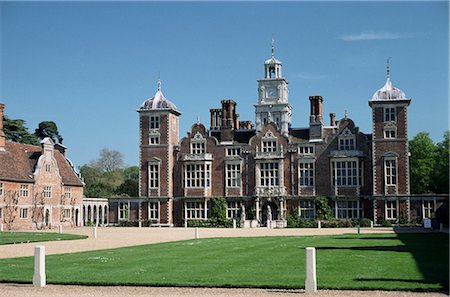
(390, 132)
(391, 209)
(344, 207)
(233, 151)
(390, 172)
(153, 138)
(67, 213)
(335, 177)
(198, 144)
(24, 190)
(389, 114)
(306, 150)
(123, 211)
(306, 208)
(154, 174)
(347, 140)
(153, 210)
(270, 177)
(233, 209)
(154, 122)
(67, 192)
(47, 192)
(269, 138)
(195, 210)
(197, 175)
(427, 208)
(233, 176)
(23, 213)
(310, 178)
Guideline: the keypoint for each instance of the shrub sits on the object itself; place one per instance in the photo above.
(364, 222)
(219, 212)
(323, 209)
(386, 223)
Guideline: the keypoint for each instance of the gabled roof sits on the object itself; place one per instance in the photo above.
(18, 163)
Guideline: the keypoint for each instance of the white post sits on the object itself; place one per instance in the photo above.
(234, 224)
(140, 224)
(94, 233)
(60, 229)
(310, 281)
(196, 233)
(39, 266)
(1, 227)
(371, 224)
(319, 224)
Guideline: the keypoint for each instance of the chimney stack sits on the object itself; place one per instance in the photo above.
(332, 117)
(2, 134)
(316, 119)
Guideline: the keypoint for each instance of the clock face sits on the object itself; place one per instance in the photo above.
(271, 92)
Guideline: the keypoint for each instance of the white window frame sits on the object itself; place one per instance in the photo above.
(67, 192)
(153, 211)
(427, 208)
(67, 213)
(390, 133)
(269, 145)
(306, 173)
(154, 122)
(307, 209)
(269, 174)
(389, 114)
(233, 151)
(195, 210)
(23, 213)
(153, 139)
(233, 175)
(348, 209)
(154, 175)
(197, 175)
(390, 172)
(233, 209)
(306, 150)
(391, 207)
(123, 211)
(347, 140)
(340, 173)
(47, 192)
(23, 191)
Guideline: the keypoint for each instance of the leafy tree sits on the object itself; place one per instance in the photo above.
(323, 209)
(132, 173)
(422, 162)
(129, 188)
(219, 211)
(15, 130)
(440, 178)
(109, 160)
(48, 129)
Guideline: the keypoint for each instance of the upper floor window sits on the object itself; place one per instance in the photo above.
(153, 175)
(47, 167)
(153, 139)
(389, 133)
(233, 175)
(306, 174)
(67, 192)
(390, 172)
(23, 191)
(233, 151)
(197, 175)
(306, 150)
(47, 192)
(154, 122)
(269, 174)
(198, 148)
(389, 114)
(347, 140)
(345, 173)
(269, 146)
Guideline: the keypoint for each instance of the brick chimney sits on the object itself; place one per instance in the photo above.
(2, 134)
(332, 117)
(315, 118)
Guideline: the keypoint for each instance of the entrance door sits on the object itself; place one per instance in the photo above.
(265, 212)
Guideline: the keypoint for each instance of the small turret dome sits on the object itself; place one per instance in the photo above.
(272, 60)
(388, 92)
(158, 101)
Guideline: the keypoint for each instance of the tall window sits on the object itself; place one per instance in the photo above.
(391, 210)
(195, 210)
(68, 192)
(123, 210)
(1, 189)
(197, 175)
(269, 146)
(23, 191)
(390, 171)
(47, 167)
(197, 147)
(67, 213)
(233, 175)
(153, 175)
(47, 192)
(345, 173)
(306, 174)
(389, 133)
(307, 210)
(347, 209)
(233, 209)
(154, 122)
(153, 213)
(23, 213)
(389, 114)
(269, 174)
(428, 208)
(153, 139)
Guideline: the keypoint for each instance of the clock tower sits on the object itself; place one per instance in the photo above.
(273, 105)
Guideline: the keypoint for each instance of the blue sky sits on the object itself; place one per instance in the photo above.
(89, 65)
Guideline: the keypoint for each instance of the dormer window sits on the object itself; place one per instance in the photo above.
(389, 114)
(306, 150)
(233, 151)
(154, 122)
(269, 143)
(347, 140)
(198, 144)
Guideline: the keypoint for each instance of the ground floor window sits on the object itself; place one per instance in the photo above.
(153, 211)
(1, 213)
(24, 213)
(233, 209)
(307, 209)
(67, 213)
(123, 210)
(391, 210)
(195, 210)
(428, 208)
(347, 210)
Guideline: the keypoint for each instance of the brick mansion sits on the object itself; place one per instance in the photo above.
(267, 169)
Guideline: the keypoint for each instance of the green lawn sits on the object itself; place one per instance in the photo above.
(383, 261)
(24, 237)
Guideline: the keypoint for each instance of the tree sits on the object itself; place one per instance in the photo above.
(108, 161)
(48, 129)
(132, 173)
(15, 130)
(323, 209)
(440, 178)
(128, 188)
(422, 162)
(219, 211)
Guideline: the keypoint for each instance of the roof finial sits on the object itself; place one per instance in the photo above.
(346, 114)
(388, 69)
(159, 84)
(198, 120)
(273, 45)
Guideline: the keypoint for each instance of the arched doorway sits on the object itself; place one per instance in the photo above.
(265, 211)
(100, 215)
